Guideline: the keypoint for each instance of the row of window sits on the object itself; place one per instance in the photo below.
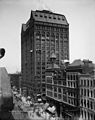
(65, 99)
(86, 82)
(72, 76)
(63, 37)
(87, 104)
(53, 35)
(49, 16)
(56, 96)
(87, 92)
(70, 101)
(71, 84)
(86, 115)
(51, 42)
(61, 91)
(52, 28)
(55, 82)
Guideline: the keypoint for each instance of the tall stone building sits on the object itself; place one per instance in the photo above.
(44, 33)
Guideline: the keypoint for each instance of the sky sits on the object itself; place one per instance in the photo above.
(80, 15)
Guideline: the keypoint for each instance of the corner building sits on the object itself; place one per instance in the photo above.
(44, 33)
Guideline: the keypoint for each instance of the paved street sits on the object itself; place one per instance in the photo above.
(21, 112)
(29, 114)
(17, 113)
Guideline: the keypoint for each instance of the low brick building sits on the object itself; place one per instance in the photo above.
(71, 88)
(15, 80)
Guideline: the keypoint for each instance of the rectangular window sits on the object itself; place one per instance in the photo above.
(91, 93)
(84, 82)
(91, 83)
(49, 87)
(81, 82)
(59, 90)
(55, 82)
(94, 105)
(55, 89)
(65, 98)
(88, 103)
(81, 102)
(59, 96)
(84, 103)
(88, 93)
(49, 79)
(55, 95)
(59, 82)
(88, 83)
(64, 82)
(84, 92)
(91, 105)
(94, 93)
(94, 82)
(49, 93)
(64, 91)
(68, 77)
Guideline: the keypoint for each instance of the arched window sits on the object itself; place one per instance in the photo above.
(43, 34)
(57, 35)
(48, 34)
(38, 34)
(52, 35)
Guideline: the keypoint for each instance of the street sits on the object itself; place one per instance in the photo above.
(17, 113)
(24, 112)
(36, 112)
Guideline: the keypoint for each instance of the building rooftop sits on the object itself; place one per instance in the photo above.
(48, 16)
(55, 66)
(77, 62)
(53, 56)
(86, 66)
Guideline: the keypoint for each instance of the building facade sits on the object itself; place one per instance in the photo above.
(15, 80)
(63, 91)
(87, 93)
(72, 89)
(44, 33)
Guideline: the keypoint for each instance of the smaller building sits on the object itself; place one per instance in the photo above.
(71, 87)
(15, 80)
(60, 91)
(87, 91)
(55, 84)
(81, 76)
